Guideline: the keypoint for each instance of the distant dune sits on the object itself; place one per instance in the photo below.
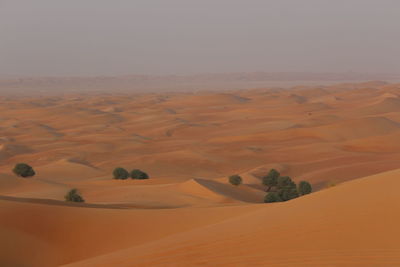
(181, 83)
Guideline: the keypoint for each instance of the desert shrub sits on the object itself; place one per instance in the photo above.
(138, 174)
(74, 196)
(304, 188)
(271, 179)
(286, 188)
(235, 179)
(23, 170)
(288, 193)
(120, 173)
(284, 181)
(272, 197)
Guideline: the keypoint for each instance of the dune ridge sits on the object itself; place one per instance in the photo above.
(326, 218)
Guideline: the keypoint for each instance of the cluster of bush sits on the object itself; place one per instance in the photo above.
(279, 188)
(122, 174)
(282, 188)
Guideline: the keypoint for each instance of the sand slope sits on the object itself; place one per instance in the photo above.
(58, 234)
(353, 224)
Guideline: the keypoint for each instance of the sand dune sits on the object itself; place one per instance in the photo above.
(388, 104)
(320, 229)
(10, 150)
(375, 144)
(357, 128)
(69, 234)
(340, 131)
(31, 188)
(221, 192)
(187, 213)
(204, 136)
(66, 170)
(202, 99)
(8, 182)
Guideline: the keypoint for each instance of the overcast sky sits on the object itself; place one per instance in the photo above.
(112, 37)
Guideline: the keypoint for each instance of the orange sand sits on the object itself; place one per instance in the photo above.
(187, 214)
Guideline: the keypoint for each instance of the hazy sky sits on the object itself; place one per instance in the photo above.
(97, 37)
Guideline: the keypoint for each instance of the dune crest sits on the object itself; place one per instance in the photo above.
(327, 218)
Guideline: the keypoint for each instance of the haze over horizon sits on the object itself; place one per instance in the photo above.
(81, 38)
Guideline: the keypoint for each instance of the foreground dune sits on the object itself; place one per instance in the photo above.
(354, 224)
(50, 235)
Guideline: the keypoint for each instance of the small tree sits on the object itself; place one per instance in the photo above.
(286, 188)
(138, 174)
(304, 188)
(272, 197)
(74, 196)
(235, 179)
(271, 179)
(120, 173)
(24, 170)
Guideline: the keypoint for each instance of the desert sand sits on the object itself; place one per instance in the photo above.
(342, 138)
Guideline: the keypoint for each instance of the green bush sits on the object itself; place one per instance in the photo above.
(284, 181)
(286, 188)
(235, 179)
(120, 173)
(23, 170)
(138, 174)
(271, 179)
(304, 188)
(74, 196)
(288, 193)
(272, 197)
